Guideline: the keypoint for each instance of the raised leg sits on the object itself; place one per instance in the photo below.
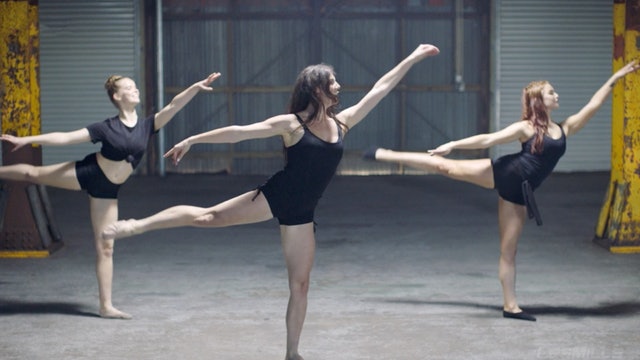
(478, 172)
(61, 175)
(244, 209)
(298, 244)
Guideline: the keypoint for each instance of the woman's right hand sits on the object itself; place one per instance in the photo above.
(423, 51)
(178, 151)
(204, 84)
(17, 142)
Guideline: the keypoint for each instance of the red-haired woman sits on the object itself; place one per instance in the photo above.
(515, 176)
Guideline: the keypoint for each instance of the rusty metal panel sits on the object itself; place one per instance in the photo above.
(20, 109)
(618, 226)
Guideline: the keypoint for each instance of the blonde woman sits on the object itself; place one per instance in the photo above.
(124, 139)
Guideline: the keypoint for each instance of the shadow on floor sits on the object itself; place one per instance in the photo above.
(13, 307)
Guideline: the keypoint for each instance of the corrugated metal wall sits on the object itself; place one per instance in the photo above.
(81, 44)
(260, 49)
(570, 44)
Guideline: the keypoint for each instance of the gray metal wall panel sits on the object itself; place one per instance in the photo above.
(569, 43)
(264, 54)
(81, 44)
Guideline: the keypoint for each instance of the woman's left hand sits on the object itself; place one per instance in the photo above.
(15, 140)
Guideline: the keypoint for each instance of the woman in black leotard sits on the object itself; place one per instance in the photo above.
(102, 173)
(515, 176)
(312, 134)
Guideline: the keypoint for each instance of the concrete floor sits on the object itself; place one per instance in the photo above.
(406, 268)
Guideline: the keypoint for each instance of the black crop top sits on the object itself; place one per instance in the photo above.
(120, 142)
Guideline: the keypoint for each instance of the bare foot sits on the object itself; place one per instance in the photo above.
(113, 313)
(119, 229)
(512, 308)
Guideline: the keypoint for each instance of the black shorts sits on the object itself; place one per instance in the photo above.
(93, 180)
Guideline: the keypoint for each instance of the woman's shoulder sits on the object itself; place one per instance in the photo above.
(524, 129)
(526, 126)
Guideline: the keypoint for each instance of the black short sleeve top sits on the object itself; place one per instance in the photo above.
(120, 142)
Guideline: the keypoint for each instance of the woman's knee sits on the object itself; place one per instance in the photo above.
(105, 249)
(508, 255)
(27, 172)
(300, 289)
(299, 286)
(210, 219)
(446, 168)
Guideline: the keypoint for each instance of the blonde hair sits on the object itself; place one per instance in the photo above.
(111, 87)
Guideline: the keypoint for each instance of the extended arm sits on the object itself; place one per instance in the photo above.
(515, 131)
(354, 114)
(53, 138)
(179, 101)
(277, 125)
(577, 121)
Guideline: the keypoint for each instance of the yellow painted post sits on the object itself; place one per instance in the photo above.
(21, 232)
(618, 227)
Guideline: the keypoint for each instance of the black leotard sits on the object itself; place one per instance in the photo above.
(293, 193)
(510, 171)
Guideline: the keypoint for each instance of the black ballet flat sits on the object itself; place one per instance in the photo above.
(370, 153)
(518, 316)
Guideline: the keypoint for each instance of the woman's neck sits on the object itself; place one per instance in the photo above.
(128, 115)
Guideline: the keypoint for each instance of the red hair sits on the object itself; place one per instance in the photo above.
(534, 110)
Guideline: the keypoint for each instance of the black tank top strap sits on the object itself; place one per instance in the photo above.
(339, 129)
(300, 120)
(334, 120)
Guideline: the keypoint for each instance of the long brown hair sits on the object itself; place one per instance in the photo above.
(304, 93)
(534, 110)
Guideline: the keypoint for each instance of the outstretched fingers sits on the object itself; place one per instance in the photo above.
(631, 67)
(177, 152)
(14, 140)
(204, 84)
